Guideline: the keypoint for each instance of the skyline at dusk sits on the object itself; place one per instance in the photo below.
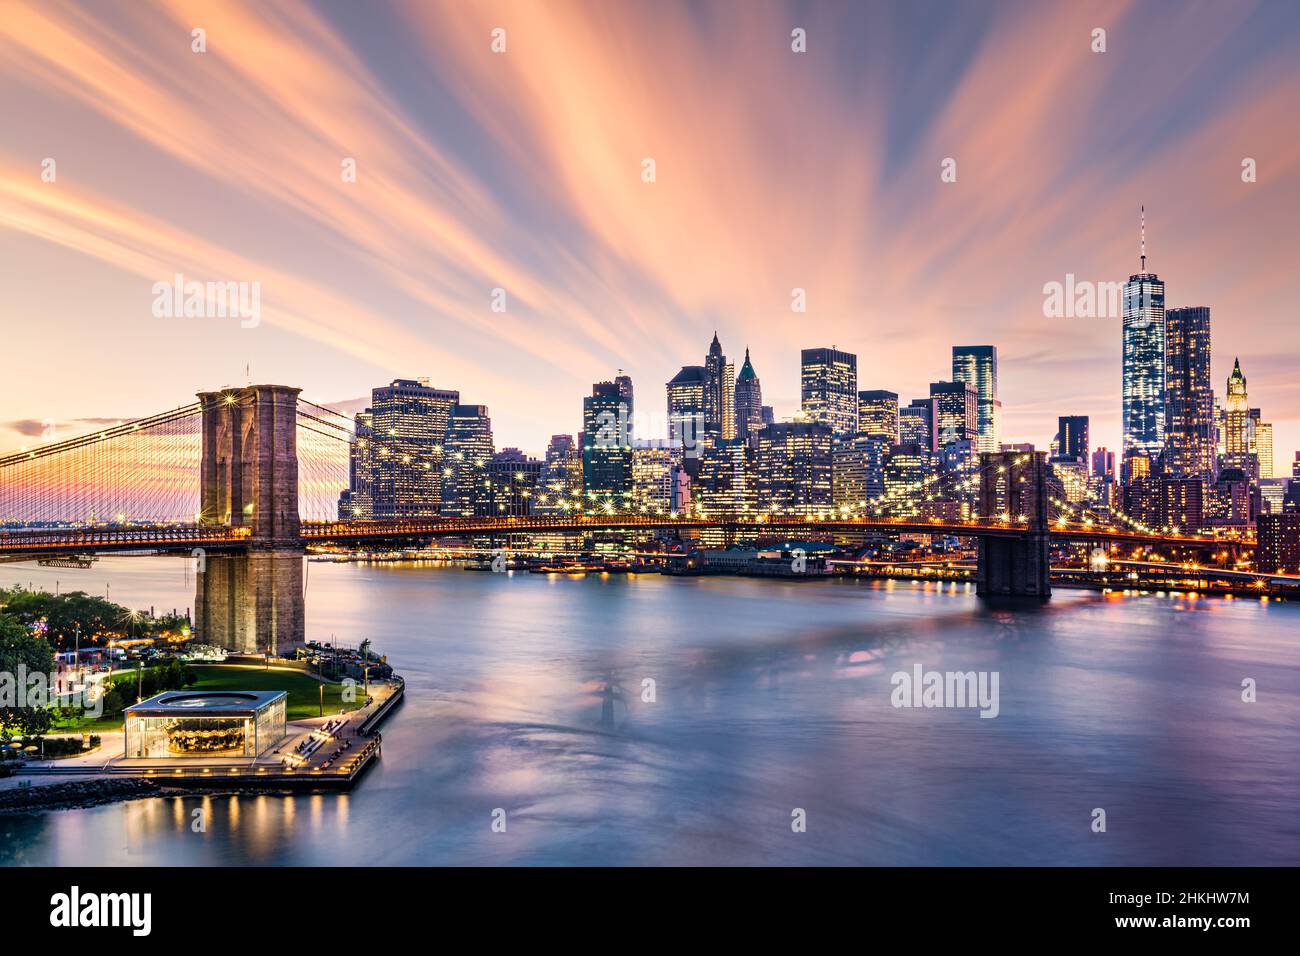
(523, 171)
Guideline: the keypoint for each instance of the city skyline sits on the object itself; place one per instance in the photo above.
(395, 279)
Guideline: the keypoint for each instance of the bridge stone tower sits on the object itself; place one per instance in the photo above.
(1015, 484)
(248, 478)
(249, 473)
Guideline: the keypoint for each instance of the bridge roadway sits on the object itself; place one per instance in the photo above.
(52, 541)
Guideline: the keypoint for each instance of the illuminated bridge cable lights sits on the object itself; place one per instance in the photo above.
(146, 472)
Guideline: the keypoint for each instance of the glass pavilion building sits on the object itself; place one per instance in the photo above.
(206, 724)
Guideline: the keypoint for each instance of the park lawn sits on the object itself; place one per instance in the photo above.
(303, 688)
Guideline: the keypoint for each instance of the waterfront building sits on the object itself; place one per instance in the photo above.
(1143, 384)
(560, 483)
(878, 414)
(794, 466)
(918, 424)
(748, 402)
(1189, 393)
(1278, 543)
(469, 447)
(828, 388)
(858, 471)
(977, 365)
(514, 478)
(1237, 425)
(607, 444)
(408, 427)
(208, 724)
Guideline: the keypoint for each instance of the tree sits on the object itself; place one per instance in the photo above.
(22, 653)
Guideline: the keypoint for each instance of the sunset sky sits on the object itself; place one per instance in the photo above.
(522, 171)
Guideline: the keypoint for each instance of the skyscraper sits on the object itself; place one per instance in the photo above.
(878, 414)
(957, 412)
(607, 443)
(728, 481)
(560, 483)
(917, 424)
(514, 478)
(1236, 424)
(1189, 394)
(716, 397)
(858, 471)
(468, 450)
(749, 402)
(828, 382)
(794, 466)
(1261, 443)
(977, 365)
(358, 501)
(1144, 360)
(408, 425)
(686, 394)
(1072, 438)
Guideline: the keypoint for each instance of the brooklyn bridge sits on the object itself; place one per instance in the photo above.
(247, 478)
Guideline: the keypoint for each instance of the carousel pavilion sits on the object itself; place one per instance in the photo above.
(206, 724)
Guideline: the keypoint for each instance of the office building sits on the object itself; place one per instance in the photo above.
(1189, 394)
(828, 387)
(408, 427)
(878, 414)
(1144, 361)
(728, 482)
(1072, 439)
(957, 412)
(1278, 548)
(686, 410)
(1237, 425)
(858, 471)
(748, 402)
(607, 444)
(977, 365)
(514, 478)
(469, 448)
(560, 482)
(794, 466)
(1261, 443)
(918, 424)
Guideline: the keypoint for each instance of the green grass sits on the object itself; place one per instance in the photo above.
(303, 690)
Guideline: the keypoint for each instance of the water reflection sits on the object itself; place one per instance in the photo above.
(528, 694)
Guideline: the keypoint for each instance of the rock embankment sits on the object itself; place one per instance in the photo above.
(78, 793)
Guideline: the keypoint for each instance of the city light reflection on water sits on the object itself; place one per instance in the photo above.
(525, 693)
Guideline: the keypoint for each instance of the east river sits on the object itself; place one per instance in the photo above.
(771, 707)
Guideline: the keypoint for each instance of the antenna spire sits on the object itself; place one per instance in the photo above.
(1144, 238)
